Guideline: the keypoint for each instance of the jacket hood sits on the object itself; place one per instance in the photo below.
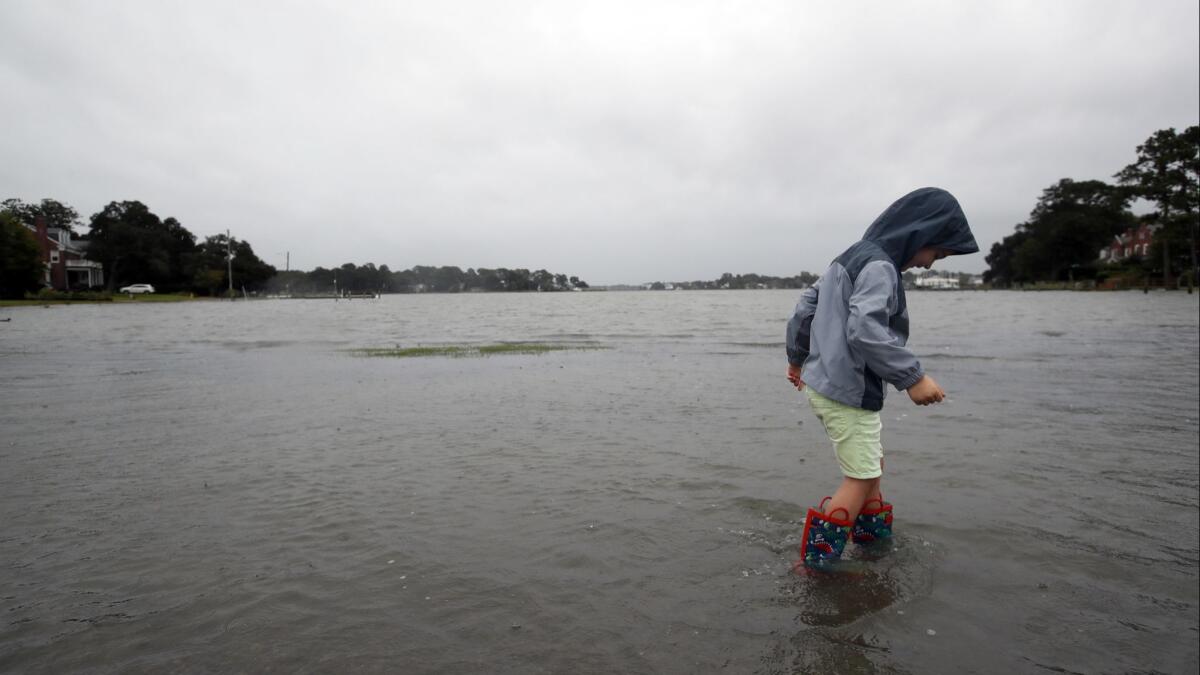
(925, 217)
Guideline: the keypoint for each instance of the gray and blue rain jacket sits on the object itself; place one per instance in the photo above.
(849, 329)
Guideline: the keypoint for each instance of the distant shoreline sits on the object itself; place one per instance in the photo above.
(159, 299)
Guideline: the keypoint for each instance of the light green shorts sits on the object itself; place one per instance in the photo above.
(855, 435)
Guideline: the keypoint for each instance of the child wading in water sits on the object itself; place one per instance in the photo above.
(846, 340)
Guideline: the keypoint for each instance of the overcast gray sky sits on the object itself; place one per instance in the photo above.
(622, 142)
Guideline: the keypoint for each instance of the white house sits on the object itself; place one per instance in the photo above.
(937, 283)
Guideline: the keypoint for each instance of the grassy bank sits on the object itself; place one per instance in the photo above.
(469, 350)
(98, 298)
(158, 297)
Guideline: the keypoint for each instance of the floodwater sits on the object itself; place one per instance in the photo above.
(206, 487)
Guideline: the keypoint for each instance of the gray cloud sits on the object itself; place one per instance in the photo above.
(622, 142)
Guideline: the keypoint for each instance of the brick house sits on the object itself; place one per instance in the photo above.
(65, 259)
(1134, 241)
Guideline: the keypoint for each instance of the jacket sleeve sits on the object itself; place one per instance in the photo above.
(799, 327)
(869, 333)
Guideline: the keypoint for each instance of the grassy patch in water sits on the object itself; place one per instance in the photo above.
(531, 348)
(480, 350)
(410, 352)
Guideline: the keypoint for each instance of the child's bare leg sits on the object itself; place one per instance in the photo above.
(851, 496)
(876, 491)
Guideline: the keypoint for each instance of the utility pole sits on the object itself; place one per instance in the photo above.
(229, 260)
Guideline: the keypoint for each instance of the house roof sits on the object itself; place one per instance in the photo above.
(54, 235)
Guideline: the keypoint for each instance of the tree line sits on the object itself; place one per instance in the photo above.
(730, 281)
(135, 245)
(1073, 220)
(357, 279)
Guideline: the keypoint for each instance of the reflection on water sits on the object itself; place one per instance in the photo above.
(844, 595)
(221, 487)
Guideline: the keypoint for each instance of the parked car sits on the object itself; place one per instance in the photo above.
(138, 288)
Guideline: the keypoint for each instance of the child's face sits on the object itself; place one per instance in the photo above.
(926, 257)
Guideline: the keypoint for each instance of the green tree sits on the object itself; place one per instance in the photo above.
(180, 249)
(211, 273)
(55, 213)
(21, 268)
(352, 278)
(1167, 172)
(448, 279)
(541, 280)
(321, 280)
(1001, 269)
(118, 241)
(517, 280)
(423, 275)
(349, 280)
(1071, 222)
(402, 281)
(490, 280)
(136, 246)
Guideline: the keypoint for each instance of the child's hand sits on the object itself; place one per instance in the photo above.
(793, 376)
(926, 391)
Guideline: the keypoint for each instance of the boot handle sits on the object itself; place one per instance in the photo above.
(821, 508)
